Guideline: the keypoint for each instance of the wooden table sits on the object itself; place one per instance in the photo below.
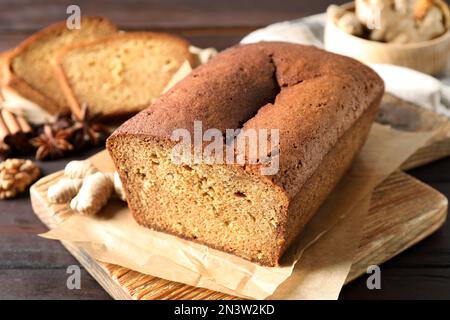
(34, 268)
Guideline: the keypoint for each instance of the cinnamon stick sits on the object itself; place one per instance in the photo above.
(4, 130)
(10, 121)
(5, 150)
(24, 125)
(14, 132)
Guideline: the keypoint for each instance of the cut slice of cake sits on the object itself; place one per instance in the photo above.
(29, 71)
(120, 74)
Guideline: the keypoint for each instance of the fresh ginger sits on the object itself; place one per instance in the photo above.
(118, 188)
(64, 190)
(94, 193)
(79, 169)
(85, 187)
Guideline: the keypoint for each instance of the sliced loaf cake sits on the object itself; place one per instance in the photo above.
(29, 71)
(120, 74)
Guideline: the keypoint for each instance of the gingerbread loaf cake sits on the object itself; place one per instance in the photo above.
(323, 105)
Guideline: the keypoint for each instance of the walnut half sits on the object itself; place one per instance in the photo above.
(15, 176)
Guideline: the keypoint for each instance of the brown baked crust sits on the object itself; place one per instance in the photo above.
(16, 83)
(74, 104)
(327, 175)
(269, 85)
(322, 103)
(219, 93)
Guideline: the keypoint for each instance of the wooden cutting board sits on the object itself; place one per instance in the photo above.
(403, 212)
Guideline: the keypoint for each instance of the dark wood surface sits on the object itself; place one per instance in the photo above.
(35, 268)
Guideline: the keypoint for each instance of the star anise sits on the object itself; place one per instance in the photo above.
(60, 121)
(88, 128)
(52, 143)
(63, 120)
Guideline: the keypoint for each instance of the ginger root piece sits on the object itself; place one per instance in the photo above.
(94, 194)
(349, 23)
(404, 7)
(345, 20)
(64, 190)
(85, 187)
(118, 188)
(79, 169)
(432, 25)
(404, 31)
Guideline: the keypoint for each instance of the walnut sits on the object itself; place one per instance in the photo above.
(15, 176)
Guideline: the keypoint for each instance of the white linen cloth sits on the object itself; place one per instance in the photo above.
(407, 84)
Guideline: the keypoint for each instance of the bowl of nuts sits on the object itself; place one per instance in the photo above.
(408, 33)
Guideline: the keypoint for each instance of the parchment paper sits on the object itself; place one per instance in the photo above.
(318, 263)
